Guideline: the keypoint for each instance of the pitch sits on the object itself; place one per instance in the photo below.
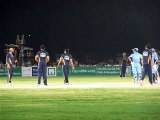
(87, 98)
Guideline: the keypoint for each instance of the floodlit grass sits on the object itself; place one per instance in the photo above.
(79, 104)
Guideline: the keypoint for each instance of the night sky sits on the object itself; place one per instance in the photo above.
(84, 26)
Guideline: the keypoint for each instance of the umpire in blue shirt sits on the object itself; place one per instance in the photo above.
(42, 57)
(66, 60)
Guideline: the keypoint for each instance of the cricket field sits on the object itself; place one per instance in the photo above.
(85, 98)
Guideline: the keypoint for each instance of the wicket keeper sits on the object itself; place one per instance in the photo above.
(42, 57)
(10, 64)
(66, 60)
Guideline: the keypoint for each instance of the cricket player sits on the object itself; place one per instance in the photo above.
(154, 66)
(66, 60)
(147, 66)
(123, 65)
(10, 64)
(42, 57)
(136, 62)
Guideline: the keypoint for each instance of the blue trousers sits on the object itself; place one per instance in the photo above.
(10, 73)
(147, 70)
(66, 69)
(137, 71)
(42, 70)
(123, 71)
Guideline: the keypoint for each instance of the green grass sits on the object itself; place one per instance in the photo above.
(79, 104)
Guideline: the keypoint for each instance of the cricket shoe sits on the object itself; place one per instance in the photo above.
(66, 83)
(141, 83)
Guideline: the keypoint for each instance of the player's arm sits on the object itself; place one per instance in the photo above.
(129, 59)
(60, 60)
(71, 63)
(149, 58)
(37, 58)
(47, 59)
(8, 62)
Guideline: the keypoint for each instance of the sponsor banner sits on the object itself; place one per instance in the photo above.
(16, 71)
(34, 71)
(79, 71)
(94, 70)
(108, 70)
(3, 72)
(26, 71)
(51, 71)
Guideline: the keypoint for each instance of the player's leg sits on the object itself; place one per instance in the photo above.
(154, 73)
(67, 70)
(139, 72)
(39, 73)
(65, 74)
(9, 75)
(121, 71)
(134, 73)
(44, 74)
(124, 70)
(144, 72)
(149, 70)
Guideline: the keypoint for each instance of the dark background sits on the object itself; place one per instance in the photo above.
(99, 27)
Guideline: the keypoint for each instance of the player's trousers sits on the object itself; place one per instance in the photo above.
(154, 73)
(42, 70)
(137, 71)
(123, 71)
(147, 70)
(159, 68)
(10, 73)
(66, 69)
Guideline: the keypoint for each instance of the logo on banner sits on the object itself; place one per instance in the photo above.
(51, 71)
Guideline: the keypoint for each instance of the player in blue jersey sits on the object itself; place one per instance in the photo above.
(66, 60)
(147, 67)
(154, 66)
(10, 64)
(136, 62)
(42, 57)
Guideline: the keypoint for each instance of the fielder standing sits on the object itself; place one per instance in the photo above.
(147, 67)
(136, 62)
(154, 66)
(66, 60)
(10, 64)
(42, 57)
(123, 65)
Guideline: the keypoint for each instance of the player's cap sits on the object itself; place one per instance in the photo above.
(42, 47)
(135, 49)
(153, 50)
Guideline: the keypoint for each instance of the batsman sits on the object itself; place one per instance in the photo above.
(42, 57)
